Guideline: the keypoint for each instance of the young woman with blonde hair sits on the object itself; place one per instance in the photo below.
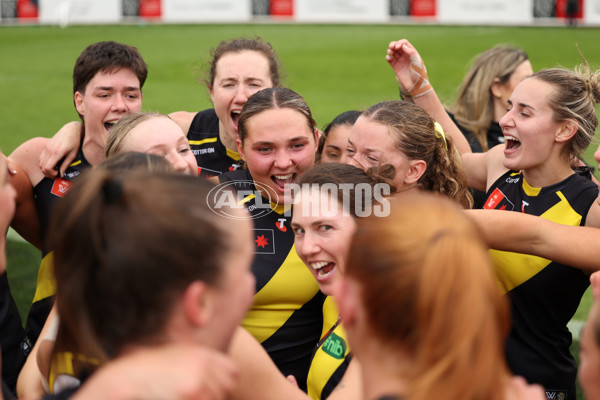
(550, 121)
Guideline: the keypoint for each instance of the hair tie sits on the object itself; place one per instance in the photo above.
(439, 133)
(112, 191)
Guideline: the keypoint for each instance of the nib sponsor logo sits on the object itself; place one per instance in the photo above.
(335, 346)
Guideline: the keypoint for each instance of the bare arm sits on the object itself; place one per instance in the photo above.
(350, 387)
(173, 371)
(26, 220)
(259, 377)
(183, 119)
(576, 246)
(63, 146)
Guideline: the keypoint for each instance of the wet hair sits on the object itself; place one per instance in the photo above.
(270, 99)
(426, 284)
(347, 118)
(126, 247)
(474, 106)
(574, 96)
(107, 57)
(123, 127)
(339, 175)
(244, 44)
(132, 160)
(416, 138)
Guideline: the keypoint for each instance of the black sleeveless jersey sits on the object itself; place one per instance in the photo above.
(47, 192)
(212, 156)
(544, 295)
(286, 316)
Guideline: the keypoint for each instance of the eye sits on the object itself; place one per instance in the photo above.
(334, 155)
(298, 231)
(263, 150)
(373, 159)
(350, 152)
(298, 146)
(325, 228)
(185, 150)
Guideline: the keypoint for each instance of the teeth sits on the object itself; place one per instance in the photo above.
(236, 112)
(318, 265)
(508, 137)
(283, 177)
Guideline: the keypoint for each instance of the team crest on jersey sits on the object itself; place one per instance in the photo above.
(60, 187)
(264, 241)
(497, 200)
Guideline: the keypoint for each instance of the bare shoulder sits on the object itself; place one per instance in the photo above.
(495, 164)
(183, 119)
(27, 157)
(593, 216)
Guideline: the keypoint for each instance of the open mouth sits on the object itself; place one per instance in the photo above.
(282, 180)
(323, 268)
(511, 142)
(235, 117)
(108, 125)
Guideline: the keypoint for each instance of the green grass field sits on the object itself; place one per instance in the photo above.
(335, 67)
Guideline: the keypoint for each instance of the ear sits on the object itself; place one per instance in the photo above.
(212, 94)
(318, 134)
(197, 303)
(415, 171)
(496, 88)
(240, 148)
(567, 131)
(78, 102)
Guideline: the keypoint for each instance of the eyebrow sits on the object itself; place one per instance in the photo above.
(128, 88)
(333, 147)
(265, 143)
(522, 105)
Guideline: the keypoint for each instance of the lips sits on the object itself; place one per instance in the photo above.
(282, 180)
(323, 269)
(108, 125)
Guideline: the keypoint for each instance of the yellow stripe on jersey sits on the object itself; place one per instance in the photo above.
(529, 190)
(62, 364)
(283, 285)
(513, 269)
(199, 142)
(74, 163)
(46, 286)
(233, 154)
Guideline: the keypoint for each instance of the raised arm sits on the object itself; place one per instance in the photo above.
(576, 246)
(61, 150)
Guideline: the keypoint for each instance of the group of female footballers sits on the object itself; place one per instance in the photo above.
(299, 288)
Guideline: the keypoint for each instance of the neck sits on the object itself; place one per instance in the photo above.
(226, 138)
(548, 173)
(93, 148)
(384, 372)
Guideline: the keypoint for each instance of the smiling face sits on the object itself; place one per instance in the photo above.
(278, 147)
(163, 137)
(529, 128)
(371, 144)
(238, 76)
(335, 144)
(322, 238)
(107, 97)
(589, 355)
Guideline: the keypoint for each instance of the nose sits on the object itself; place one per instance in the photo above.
(353, 161)
(241, 95)
(119, 104)
(597, 156)
(178, 162)
(283, 160)
(310, 245)
(507, 119)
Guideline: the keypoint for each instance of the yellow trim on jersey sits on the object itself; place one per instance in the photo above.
(233, 154)
(284, 284)
(62, 364)
(46, 286)
(530, 190)
(513, 269)
(199, 142)
(74, 163)
(278, 208)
